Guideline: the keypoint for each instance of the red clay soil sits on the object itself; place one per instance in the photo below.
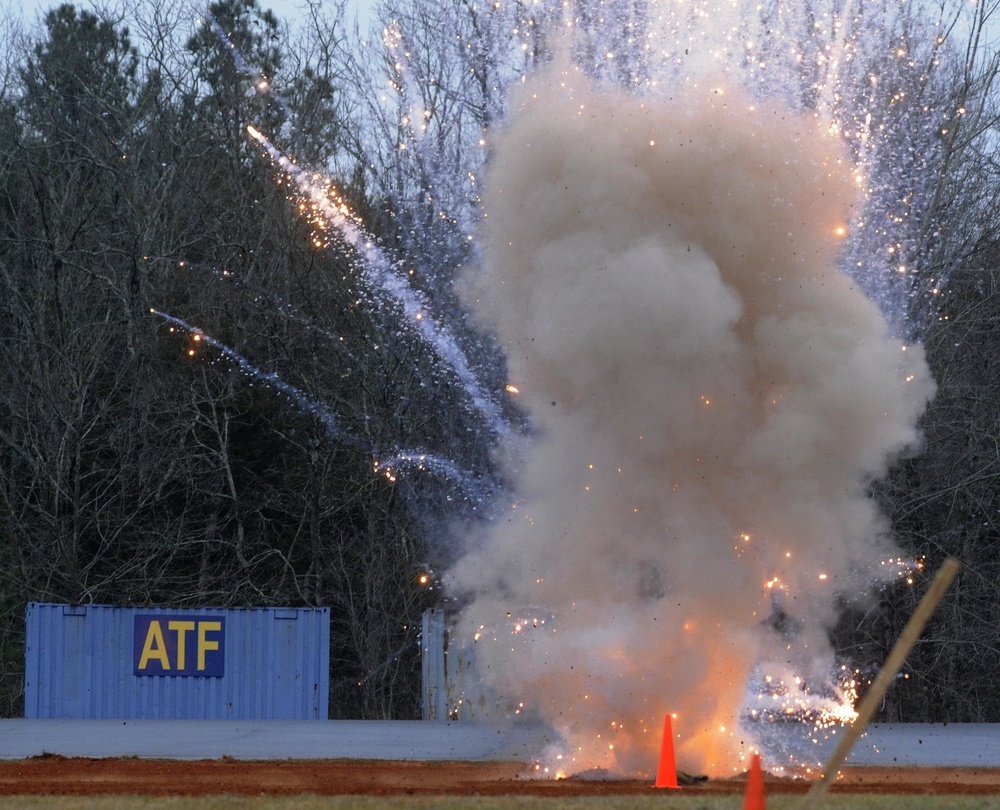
(54, 775)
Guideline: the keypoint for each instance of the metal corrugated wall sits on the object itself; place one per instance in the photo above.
(81, 662)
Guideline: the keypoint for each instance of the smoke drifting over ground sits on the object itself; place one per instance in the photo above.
(710, 397)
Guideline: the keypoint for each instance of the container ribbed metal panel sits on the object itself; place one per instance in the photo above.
(80, 662)
(432, 657)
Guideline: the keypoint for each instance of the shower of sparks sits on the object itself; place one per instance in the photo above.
(817, 62)
(776, 697)
(858, 66)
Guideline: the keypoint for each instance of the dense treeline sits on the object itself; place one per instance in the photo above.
(142, 462)
(154, 275)
(946, 502)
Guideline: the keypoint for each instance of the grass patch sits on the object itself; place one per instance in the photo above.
(660, 801)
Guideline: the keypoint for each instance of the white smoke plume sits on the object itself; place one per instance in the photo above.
(710, 397)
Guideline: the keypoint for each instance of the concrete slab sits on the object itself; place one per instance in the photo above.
(919, 744)
(268, 739)
(909, 744)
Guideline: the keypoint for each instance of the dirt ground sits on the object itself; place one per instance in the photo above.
(53, 775)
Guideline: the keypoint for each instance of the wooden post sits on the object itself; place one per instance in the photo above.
(914, 627)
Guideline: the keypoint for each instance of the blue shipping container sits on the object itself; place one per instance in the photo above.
(97, 661)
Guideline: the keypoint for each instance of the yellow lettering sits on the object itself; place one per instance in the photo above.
(154, 647)
(180, 628)
(204, 644)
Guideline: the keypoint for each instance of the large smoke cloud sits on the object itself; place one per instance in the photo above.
(710, 398)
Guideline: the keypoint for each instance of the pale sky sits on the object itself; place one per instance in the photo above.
(291, 10)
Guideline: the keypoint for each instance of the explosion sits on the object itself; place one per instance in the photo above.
(711, 396)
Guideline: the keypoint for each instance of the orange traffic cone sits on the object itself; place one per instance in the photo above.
(754, 799)
(666, 773)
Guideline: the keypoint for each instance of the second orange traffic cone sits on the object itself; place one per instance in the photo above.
(666, 772)
(754, 799)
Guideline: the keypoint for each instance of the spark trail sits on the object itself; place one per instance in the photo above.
(261, 83)
(305, 403)
(383, 276)
(385, 462)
